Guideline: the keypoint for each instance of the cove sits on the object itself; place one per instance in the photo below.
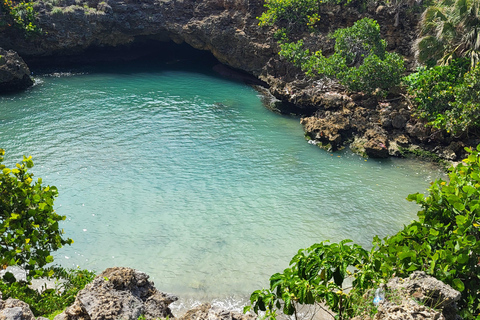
(172, 170)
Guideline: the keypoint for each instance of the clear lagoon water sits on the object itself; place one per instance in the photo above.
(175, 171)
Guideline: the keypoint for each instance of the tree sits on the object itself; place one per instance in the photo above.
(29, 229)
(450, 29)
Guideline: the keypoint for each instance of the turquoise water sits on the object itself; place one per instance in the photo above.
(177, 172)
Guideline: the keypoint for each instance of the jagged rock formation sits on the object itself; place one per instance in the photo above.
(376, 129)
(13, 309)
(14, 72)
(206, 311)
(226, 28)
(119, 293)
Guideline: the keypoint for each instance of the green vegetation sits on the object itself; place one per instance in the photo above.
(29, 233)
(51, 301)
(447, 96)
(449, 30)
(19, 14)
(444, 242)
(360, 61)
(29, 228)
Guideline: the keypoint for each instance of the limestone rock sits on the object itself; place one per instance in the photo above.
(407, 310)
(377, 143)
(13, 309)
(426, 289)
(14, 73)
(119, 293)
(207, 312)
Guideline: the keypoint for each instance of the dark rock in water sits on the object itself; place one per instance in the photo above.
(207, 312)
(14, 73)
(119, 293)
(13, 309)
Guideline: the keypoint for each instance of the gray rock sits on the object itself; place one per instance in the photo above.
(119, 293)
(426, 289)
(13, 309)
(207, 312)
(14, 72)
(399, 121)
(407, 310)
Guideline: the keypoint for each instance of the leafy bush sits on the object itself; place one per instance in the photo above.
(19, 14)
(360, 61)
(444, 242)
(447, 96)
(29, 228)
(50, 301)
(293, 14)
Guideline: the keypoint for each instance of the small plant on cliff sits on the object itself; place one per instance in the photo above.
(19, 14)
(29, 229)
(444, 242)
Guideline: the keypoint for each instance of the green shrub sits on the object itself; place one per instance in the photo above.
(444, 242)
(447, 96)
(360, 61)
(29, 228)
(50, 301)
(21, 15)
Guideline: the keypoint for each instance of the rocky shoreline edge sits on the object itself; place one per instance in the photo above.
(127, 294)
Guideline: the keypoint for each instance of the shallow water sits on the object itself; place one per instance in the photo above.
(172, 170)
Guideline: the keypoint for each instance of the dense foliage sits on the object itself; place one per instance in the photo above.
(450, 29)
(360, 61)
(444, 242)
(19, 14)
(29, 229)
(52, 300)
(447, 96)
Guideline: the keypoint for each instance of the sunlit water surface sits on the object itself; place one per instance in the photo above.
(177, 172)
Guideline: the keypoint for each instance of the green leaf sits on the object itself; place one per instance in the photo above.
(458, 284)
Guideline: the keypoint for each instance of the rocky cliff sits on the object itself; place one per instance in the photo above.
(229, 30)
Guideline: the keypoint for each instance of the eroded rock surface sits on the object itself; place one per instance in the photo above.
(119, 293)
(14, 72)
(13, 309)
(207, 312)
(422, 297)
(426, 289)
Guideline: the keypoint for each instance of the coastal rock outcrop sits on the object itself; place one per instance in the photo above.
(14, 309)
(119, 293)
(207, 312)
(421, 297)
(14, 72)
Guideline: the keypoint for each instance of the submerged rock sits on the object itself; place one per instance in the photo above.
(14, 72)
